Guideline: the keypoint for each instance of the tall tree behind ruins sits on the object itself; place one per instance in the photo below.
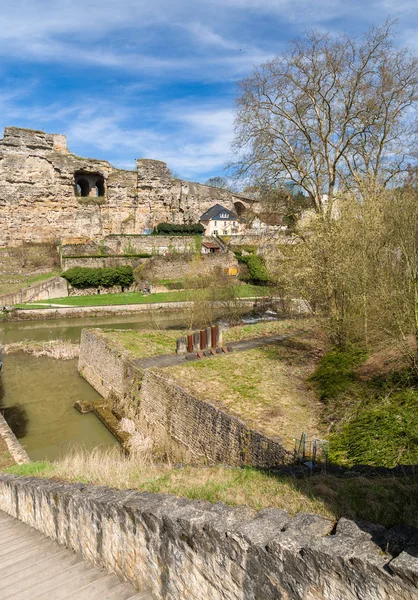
(328, 114)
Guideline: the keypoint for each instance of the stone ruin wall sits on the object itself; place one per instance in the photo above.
(38, 201)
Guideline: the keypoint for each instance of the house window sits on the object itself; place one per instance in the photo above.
(225, 232)
(224, 215)
(224, 223)
(215, 232)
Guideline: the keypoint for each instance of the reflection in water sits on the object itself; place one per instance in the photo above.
(17, 419)
(16, 415)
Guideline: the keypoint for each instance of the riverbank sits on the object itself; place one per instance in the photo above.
(37, 313)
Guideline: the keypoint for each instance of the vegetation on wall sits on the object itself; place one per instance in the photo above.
(256, 269)
(85, 277)
(177, 229)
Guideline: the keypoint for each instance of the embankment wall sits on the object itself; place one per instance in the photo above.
(45, 290)
(161, 407)
(193, 550)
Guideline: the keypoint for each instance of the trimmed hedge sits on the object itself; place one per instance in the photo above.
(175, 229)
(85, 277)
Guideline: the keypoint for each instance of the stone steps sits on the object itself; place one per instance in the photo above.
(33, 567)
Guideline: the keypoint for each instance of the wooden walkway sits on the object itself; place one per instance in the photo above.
(33, 567)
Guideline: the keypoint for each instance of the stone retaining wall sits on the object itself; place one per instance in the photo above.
(206, 431)
(55, 287)
(96, 262)
(161, 407)
(179, 266)
(193, 550)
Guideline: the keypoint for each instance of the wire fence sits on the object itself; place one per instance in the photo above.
(311, 452)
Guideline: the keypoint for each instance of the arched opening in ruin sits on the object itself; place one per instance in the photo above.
(239, 208)
(82, 186)
(100, 187)
(89, 184)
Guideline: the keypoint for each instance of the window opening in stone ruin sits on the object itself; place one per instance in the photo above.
(100, 189)
(239, 207)
(82, 186)
(89, 184)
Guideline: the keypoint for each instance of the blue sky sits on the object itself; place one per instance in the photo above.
(157, 78)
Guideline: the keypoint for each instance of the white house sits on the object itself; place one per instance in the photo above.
(219, 220)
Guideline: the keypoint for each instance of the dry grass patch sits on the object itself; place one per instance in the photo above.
(59, 349)
(306, 327)
(388, 501)
(265, 387)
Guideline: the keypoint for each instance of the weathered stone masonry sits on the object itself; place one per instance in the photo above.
(160, 406)
(193, 550)
(47, 193)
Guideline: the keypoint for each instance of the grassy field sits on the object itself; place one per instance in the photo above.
(387, 501)
(144, 343)
(242, 291)
(265, 387)
(162, 341)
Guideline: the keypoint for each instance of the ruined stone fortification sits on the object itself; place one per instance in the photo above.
(161, 408)
(47, 193)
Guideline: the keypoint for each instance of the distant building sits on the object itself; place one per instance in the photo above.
(219, 220)
(210, 248)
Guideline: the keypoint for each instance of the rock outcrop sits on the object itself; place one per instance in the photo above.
(47, 193)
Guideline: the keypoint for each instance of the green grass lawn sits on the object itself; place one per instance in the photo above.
(242, 291)
(143, 343)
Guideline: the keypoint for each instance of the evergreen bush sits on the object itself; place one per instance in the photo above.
(85, 277)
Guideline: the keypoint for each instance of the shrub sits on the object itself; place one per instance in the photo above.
(85, 277)
(177, 229)
(257, 272)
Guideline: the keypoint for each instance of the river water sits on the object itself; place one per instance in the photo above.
(37, 394)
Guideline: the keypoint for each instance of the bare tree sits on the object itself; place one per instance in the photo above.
(329, 113)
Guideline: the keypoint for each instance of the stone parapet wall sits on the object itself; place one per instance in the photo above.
(192, 550)
(95, 262)
(150, 244)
